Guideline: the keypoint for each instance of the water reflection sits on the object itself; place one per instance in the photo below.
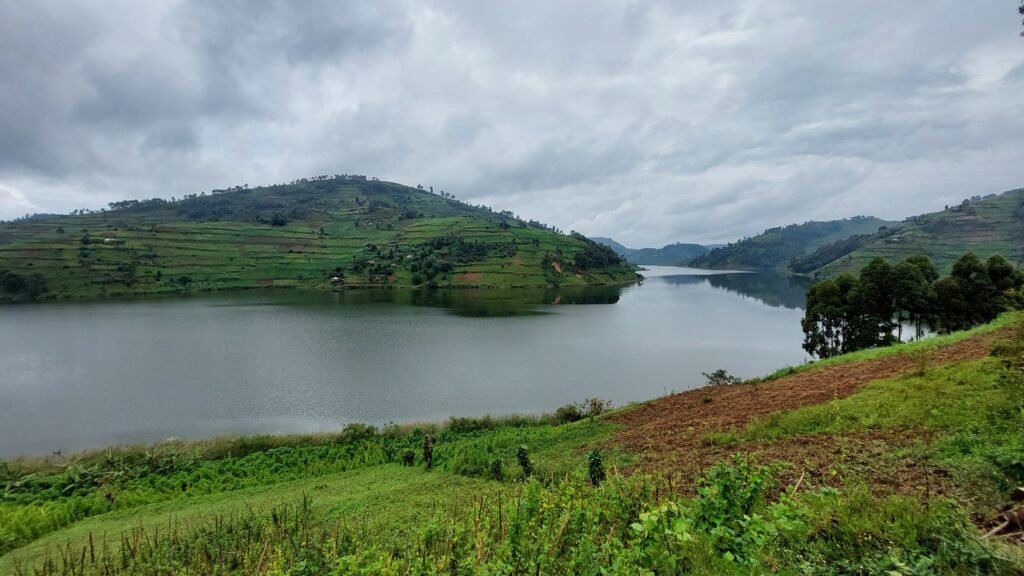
(771, 288)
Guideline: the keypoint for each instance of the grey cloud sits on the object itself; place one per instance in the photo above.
(650, 122)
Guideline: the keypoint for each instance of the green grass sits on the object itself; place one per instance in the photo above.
(391, 520)
(915, 347)
(39, 499)
(387, 501)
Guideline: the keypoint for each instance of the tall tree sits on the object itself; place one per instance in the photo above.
(977, 288)
(827, 319)
(951, 308)
(926, 266)
(873, 299)
(912, 296)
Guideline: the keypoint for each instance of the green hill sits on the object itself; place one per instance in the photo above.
(677, 254)
(774, 248)
(986, 226)
(317, 233)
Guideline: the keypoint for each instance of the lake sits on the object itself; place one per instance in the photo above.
(84, 375)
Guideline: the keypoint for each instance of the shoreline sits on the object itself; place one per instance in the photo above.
(500, 420)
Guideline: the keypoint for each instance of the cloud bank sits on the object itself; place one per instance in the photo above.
(651, 122)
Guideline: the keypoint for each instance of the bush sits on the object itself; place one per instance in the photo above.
(596, 406)
(567, 414)
(595, 467)
(589, 408)
(355, 432)
(19, 286)
(523, 456)
(730, 508)
(720, 377)
(428, 451)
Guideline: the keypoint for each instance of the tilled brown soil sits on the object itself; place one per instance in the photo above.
(670, 433)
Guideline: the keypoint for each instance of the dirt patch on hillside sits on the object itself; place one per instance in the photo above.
(469, 277)
(293, 247)
(557, 266)
(670, 433)
(265, 282)
(878, 457)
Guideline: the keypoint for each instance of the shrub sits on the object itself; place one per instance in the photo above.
(589, 408)
(567, 414)
(523, 456)
(720, 377)
(428, 451)
(596, 406)
(730, 508)
(595, 467)
(355, 432)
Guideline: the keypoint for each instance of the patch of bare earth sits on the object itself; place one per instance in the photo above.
(469, 277)
(671, 434)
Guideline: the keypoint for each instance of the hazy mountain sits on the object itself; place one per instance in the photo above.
(774, 248)
(678, 254)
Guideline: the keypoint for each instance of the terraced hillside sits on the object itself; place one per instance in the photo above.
(342, 231)
(774, 248)
(986, 226)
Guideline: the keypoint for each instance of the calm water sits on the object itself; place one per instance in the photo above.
(82, 375)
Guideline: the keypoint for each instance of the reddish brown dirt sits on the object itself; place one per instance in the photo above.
(670, 433)
(469, 277)
(265, 282)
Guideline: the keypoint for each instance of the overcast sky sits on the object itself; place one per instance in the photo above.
(651, 122)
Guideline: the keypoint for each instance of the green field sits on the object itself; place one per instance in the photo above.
(363, 233)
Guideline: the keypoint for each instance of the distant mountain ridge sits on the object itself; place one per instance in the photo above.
(678, 254)
(774, 248)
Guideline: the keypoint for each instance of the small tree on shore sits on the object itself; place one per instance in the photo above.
(428, 451)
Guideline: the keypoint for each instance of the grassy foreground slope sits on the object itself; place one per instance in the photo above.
(986, 226)
(361, 232)
(774, 248)
(889, 462)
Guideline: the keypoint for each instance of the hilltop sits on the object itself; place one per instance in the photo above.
(775, 247)
(678, 254)
(322, 232)
(989, 225)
